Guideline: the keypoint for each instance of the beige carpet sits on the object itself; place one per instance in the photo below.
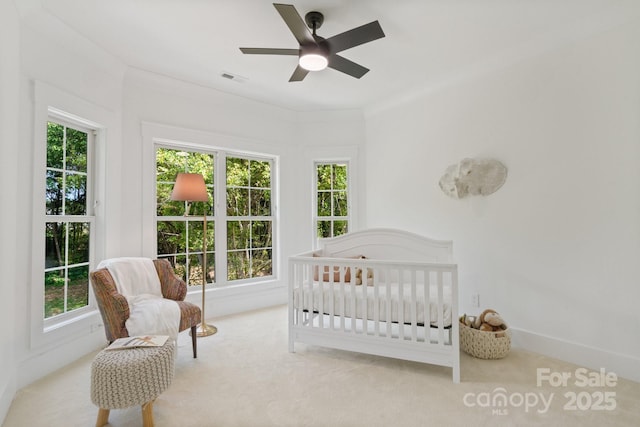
(245, 377)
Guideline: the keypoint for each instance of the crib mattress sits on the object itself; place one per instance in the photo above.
(329, 298)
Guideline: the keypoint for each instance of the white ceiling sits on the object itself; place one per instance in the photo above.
(428, 43)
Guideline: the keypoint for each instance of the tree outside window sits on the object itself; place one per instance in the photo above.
(332, 207)
(68, 220)
(180, 224)
(247, 189)
(249, 221)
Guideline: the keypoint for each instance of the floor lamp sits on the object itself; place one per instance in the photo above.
(190, 187)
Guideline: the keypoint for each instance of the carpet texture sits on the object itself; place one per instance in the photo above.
(245, 377)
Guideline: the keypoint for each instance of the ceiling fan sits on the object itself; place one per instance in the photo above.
(316, 53)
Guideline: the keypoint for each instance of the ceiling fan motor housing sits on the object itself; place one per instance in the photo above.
(314, 20)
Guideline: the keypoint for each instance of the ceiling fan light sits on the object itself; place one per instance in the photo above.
(313, 62)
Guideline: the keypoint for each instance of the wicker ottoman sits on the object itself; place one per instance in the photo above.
(131, 377)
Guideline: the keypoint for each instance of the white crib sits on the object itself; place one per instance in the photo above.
(378, 291)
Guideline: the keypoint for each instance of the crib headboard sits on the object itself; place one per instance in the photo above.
(388, 244)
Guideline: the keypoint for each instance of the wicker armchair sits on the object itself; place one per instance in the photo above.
(115, 310)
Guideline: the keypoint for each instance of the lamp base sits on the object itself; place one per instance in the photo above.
(204, 330)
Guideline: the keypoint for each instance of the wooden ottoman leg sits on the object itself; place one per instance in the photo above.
(103, 417)
(147, 414)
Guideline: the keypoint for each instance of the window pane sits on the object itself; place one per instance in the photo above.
(55, 233)
(201, 163)
(237, 172)
(261, 263)
(324, 229)
(166, 206)
(76, 150)
(260, 202)
(339, 177)
(238, 265)
(54, 287)
(238, 234)
(260, 174)
(238, 201)
(340, 227)
(261, 234)
(324, 177)
(324, 203)
(78, 242)
(53, 195)
(198, 208)
(75, 194)
(180, 267)
(55, 138)
(169, 163)
(78, 289)
(195, 269)
(340, 203)
(195, 235)
(172, 237)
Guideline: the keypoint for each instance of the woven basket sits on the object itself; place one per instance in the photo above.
(483, 344)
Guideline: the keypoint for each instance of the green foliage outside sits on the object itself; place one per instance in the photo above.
(248, 195)
(332, 202)
(66, 280)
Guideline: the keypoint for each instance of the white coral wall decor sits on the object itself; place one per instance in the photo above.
(473, 177)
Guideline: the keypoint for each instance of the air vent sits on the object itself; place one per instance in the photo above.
(233, 77)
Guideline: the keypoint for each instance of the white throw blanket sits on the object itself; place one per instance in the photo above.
(149, 312)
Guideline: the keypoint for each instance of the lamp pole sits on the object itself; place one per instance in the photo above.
(190, 187)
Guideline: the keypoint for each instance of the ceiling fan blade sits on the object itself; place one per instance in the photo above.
(295, 23)
(299, 74)
(268, 51)
(340, 63)
(355, 37)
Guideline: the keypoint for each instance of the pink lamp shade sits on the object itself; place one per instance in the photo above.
(190, 187)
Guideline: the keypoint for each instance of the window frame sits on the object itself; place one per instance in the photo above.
(329, 154)
(220, 217)
(250, 218)
(182, 218)
(51, 101)
(89, 217)
(332, 218)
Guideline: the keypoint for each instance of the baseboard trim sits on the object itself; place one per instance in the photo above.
(6, 397)
(237, 299)
(622, 365)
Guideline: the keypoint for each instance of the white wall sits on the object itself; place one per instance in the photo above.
(9, 131)
(556, 249)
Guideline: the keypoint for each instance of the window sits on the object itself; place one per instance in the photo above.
(68, 217)
(249, 221)
(243, 248)
(180, 224)
(332, 203)
(69, 234)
